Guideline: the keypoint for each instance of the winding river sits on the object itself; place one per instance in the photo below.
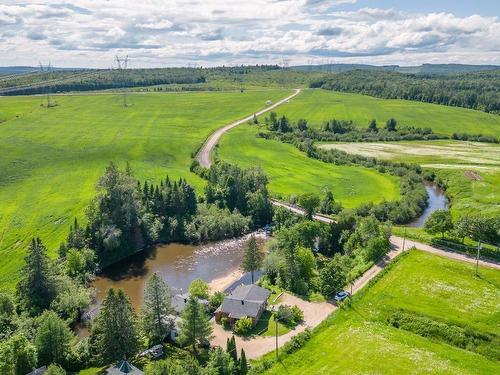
(178, 264)
(437, 201)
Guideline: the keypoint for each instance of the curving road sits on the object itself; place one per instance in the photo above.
(203, 156)
(398, 242)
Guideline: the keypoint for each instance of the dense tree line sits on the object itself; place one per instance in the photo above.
(452, 233)
(126, 216)
(100, 80)
(87, 80)
(335, 130)
(309, 256)
(478, 90)
(413, 194)
(244, 190)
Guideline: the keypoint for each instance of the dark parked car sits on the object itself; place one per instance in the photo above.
(340, 296)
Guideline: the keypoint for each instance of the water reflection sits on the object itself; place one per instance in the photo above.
(178, 265)
(437, 201)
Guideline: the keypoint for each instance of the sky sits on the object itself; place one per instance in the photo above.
(162, 33)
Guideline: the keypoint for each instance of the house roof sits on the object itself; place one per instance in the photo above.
(39, 371)
(123, 367)
(245, 300)
(179, 302)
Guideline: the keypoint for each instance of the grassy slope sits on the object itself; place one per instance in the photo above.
(447, 154)
(358, 339)
(450, 159)
(319, 105)
(292, 172)
(52, 158)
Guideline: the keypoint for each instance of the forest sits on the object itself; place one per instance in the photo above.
(478, 90)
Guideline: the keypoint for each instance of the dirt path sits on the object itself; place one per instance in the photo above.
(203, 156)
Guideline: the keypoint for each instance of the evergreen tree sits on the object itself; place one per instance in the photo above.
(195, 325)
(372, 126)
(52, 339)
(252, 257)
(231, 348)
(114, 333)
(156, 307)
(243, 365)
(220, 363)
(36, 290)
(391, 125)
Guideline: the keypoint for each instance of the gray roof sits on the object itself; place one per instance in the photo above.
(123, 367)
(179, 302)
(245, 300)
(39, 371)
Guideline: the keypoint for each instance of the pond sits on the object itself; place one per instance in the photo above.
(437, 201)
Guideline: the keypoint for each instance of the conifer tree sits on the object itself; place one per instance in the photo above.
(114, 333)
(243, 365)
(195, 326)
(252, 257)
(36, 290)
(156, 307)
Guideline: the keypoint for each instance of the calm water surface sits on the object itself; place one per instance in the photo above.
(437, 201)
(178, 265)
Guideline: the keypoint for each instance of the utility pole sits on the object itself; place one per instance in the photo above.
(404, 241)
(47, 69)
(122, 64)
(477, 258)
(276, 326)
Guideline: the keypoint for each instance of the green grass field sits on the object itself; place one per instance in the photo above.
(318, 106)
(359, 339)
(52, 158)
(291, 172)
(452, 161)
(441, 154)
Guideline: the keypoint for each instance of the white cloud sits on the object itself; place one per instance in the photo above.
(211, 32)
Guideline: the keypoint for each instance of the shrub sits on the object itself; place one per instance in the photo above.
(224, 321)
(243, 326)
(297, 341)
(289, 315)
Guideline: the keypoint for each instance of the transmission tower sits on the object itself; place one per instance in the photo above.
(46, 69)
(122, 64)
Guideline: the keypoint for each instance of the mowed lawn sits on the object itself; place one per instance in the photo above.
(52, 158)
(291, 172)
(360, 340)
(318, 105)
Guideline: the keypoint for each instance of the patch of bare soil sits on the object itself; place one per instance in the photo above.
(471, 175)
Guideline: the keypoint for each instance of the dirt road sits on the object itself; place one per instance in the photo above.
(314, 314)
(397, 242)
(203, 156)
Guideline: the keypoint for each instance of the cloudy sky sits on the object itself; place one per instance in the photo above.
(155, 33)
